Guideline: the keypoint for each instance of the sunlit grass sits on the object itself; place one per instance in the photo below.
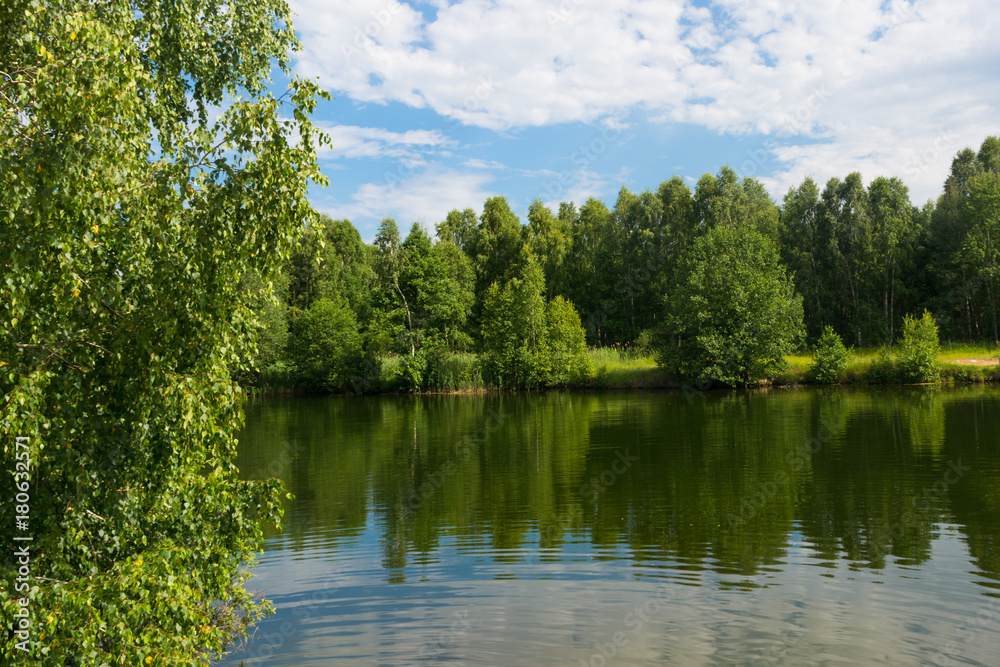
(624, 367)
(961, 352)
(959, 362)
(457, 372)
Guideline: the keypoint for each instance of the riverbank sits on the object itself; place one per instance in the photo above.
(624, 368)
(959, 364)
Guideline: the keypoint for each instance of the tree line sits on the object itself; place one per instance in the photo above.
(695, 274)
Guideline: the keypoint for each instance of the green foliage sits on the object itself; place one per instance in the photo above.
(412, 370)
(330, 261)
(589, 275)
(883, 369)
(831, 357)
(424, 292)
(734, 314)
(514, 353)
(727, 201)
(802, 252)
(131, 215)
(497, 246)
(459, 228)
(645, 343)
(859, 257)
(981, 249)
(960, 251)
(566, 343)
(459, 295)
(919, 350)
(268, 367)
(549, 239)
(325, 348)
(440, 371)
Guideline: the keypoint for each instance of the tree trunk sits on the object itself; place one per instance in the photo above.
(409, 318)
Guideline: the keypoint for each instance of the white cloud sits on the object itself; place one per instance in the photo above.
(425, 197)
(477, 163)
(351, 141)
(892, 75)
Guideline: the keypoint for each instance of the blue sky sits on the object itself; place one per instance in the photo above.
(439, 105)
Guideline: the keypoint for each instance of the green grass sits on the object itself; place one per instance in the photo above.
(625, 367)
(861, 361)
(456, 372)
(622, 367)
(952, 352)
(797, 371)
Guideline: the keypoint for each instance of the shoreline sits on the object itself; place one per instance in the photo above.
(643, 374)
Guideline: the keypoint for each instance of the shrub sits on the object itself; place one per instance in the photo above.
(414, 370)
(645, 343)
(883, 369)
(566, 344)
(734, 314)
(831, 357)
(325, 347)
(920, 350)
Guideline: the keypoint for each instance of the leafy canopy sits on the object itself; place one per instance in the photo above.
(734, 314)
(131, 215)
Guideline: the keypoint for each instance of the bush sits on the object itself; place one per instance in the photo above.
(645, 343)
(734, 314)
(566, 343)
(920, 350)
(325, 348)
(882, 370)
(414, 371)
(831, 357)
(451, 371)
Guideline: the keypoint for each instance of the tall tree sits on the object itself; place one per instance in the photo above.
(392, 315)
(637, 245)
(498, 243)
(514, 328)
(459, 295)
(459, 227)
(845, 234)
(434, 289)
(550, 240)
(959, 296)
(982, 243)
(679, 224)
(136, 198)
(330, 261)
(588, 267)
(726, 200)
(893, 238)
(495, 250)
(801, 251)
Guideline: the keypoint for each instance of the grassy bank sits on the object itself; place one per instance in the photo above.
(960, 363)
(621, 367)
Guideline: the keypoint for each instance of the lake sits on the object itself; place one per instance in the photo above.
(801, 526)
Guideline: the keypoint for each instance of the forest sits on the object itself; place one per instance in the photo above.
(656, 270)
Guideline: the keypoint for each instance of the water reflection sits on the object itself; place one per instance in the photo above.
(864, 505)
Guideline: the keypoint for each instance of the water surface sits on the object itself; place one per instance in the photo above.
(821, 527)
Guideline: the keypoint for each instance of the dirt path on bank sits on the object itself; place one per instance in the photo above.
(974, 362)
